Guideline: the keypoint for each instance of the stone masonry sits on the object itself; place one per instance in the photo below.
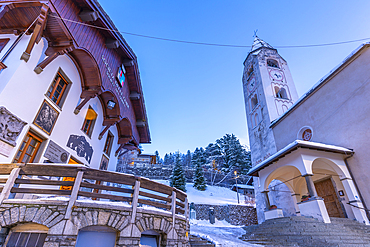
(63, 232)
(239, 215)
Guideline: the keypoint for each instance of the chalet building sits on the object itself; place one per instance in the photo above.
(70, 102)
(314, 146)
(69, 92)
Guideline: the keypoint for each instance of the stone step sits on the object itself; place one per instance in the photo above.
(195, 241)
(306, 231)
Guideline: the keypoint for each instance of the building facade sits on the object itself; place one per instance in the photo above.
(69, 92)
(316, 147)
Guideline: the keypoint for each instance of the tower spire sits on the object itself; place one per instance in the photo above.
(258, 43)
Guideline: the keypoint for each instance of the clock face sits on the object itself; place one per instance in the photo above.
(252, 84)
(277, 75)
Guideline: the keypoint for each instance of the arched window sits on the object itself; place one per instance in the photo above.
(272, 63)
(256, 119)
(27, 235)
(96, 236)
(254, 101)
(150, 238)
(281, 93)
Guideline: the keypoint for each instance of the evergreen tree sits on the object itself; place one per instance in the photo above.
(157, 157)
(235, 157)
(166, 160)
(198, 161)
(188, 159)
(177, 179)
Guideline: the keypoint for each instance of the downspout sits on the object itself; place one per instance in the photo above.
(355, 183)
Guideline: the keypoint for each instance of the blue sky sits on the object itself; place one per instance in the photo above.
(193, 93)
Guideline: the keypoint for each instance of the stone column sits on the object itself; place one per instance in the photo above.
(354, 201)
(266, 197)
(310, 186)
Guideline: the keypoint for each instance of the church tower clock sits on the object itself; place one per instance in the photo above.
(269, 91)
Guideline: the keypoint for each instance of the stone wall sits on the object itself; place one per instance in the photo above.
(63, 232)
(238, 215)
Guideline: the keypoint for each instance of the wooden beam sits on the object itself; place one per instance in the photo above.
(41, 66)
(9, 184)
(37, 33)
(2, 66)
(104, 130)
(173, 208)
(83, 102)
(135, 199)
(74, 194)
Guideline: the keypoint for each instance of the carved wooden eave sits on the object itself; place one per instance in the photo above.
(85, 46)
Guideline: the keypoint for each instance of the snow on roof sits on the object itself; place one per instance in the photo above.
(244, 186)
(294, 145)
(317, 85)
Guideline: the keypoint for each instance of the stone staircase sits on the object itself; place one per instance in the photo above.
(308, 231)
(199, 242)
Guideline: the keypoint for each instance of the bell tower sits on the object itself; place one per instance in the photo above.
(269, 91)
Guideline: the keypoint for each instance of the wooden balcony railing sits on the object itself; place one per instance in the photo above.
(50, 179)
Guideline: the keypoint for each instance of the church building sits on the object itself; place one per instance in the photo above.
(70, 89)
(313, 149)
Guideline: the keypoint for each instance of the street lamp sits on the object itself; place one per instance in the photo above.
(236, 182)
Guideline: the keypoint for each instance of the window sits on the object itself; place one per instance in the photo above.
(272, 63)
(58, 89)
(281, 93)
(27, 235)
(28, 149)
(108, 143)
(3, 43)
(254, 101)
(89, 122)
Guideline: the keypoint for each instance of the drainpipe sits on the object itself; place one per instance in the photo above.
(355, 183)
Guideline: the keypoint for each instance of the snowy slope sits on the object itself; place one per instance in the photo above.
(213, 195)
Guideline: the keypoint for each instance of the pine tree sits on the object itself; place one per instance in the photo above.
(235, 157)
(157, 157)
(178, 176)
(198, 161)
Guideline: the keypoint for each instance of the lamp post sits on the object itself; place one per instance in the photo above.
(236, 182)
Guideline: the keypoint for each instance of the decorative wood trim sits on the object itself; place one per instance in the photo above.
(83, 102)
(104, 130)
(41, 66)
(37, 32)
(2, 66)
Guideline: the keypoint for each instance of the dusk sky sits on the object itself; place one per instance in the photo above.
(193, 93)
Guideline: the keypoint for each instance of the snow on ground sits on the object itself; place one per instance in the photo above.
(213, 195)
(221, 233)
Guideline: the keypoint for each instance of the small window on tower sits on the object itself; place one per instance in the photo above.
(281, 93)
(272, 63)
(254, 101)
(249, 72)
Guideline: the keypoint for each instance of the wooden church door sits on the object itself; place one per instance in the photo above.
(325, 189)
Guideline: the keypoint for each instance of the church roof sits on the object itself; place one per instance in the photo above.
(293, 146)
(258, 43)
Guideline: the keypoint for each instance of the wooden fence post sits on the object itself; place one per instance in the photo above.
(74, 194)
(135, 199)
(173, 208)
(9, 184)
(186, 209)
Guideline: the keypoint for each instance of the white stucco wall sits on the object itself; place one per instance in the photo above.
(338, 114)
(22, 92)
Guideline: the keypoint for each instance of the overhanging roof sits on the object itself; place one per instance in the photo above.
(295, 145)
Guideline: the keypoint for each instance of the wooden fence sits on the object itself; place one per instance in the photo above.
(47, 179)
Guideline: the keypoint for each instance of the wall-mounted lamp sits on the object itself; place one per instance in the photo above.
(111, 104)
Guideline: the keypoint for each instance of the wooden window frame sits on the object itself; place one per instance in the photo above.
(90, 123)
(3, 43)
(108, 143)
(52, 88)
(37, 147)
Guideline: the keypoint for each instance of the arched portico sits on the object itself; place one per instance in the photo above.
(320, 175)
